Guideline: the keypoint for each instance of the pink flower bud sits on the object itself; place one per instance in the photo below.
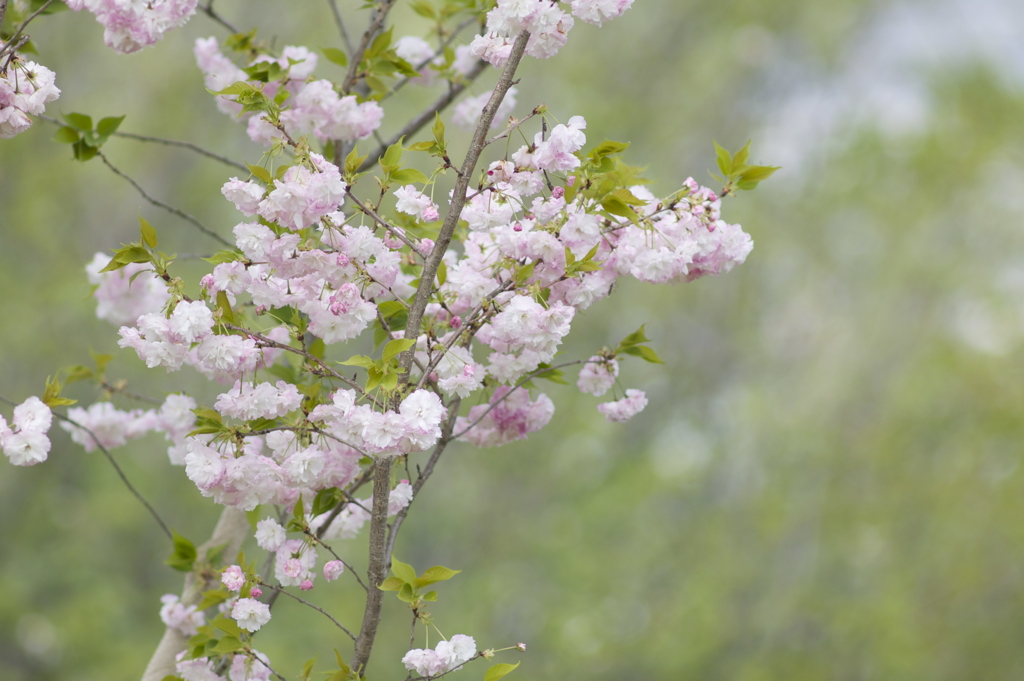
(255, 592)
(333, 570)
(521, 647)
(307, 585)
(558, 192)
(455, 322)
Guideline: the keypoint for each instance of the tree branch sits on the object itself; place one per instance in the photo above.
(185, 145)
(341, 24)
(427, 116)
(231, 531)
(444, 238)
(160, 204)
(376, 23)
(378, 568)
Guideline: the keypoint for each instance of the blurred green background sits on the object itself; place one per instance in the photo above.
(826, 482)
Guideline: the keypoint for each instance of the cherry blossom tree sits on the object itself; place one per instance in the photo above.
(460, 274)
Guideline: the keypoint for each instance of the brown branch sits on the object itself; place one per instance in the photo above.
(208, 11)
(426, 116)
(185, 145)
(516, 387)
(231, 530)
(340, 23)
(284, 346)
(160, 204)
(444, 238)
(281, 590)
(377, 570)
(376, 23)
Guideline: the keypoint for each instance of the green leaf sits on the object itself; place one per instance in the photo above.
(616, 206)
(393, 156)
(79, 372)
(740, 157)
(430, 596)
(644, 352)
(438, 573)
(228, 644)
(307, 668)
(379, 44)
(423, 8)
(402, 570)
(524, 273)
(391, 584)
(353, 160)
(438, 130)
(184, 554)
(553, 375)
(109, 125)
(78, 121)
(408, 176)
(224, 305)
(359, 361)
(426, 145)
(390, 308)
(213, 597)
(499, 670)
(607, 149)
(442, 273)
(66, 135)
(405, 594)
(327, 500)
(335, 56)
(260, 173)
(227, 625)
(396, 347)
(148, 233)
(635, 338)
(757, 174)
(224, 256)
(724, 159)
(627, 197)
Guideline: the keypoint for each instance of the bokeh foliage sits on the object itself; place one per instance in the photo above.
(826, 483)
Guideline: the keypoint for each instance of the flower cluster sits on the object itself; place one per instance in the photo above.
(445, 657)
(315, 107)
(27, 443)
(25, 88)
(130, 25)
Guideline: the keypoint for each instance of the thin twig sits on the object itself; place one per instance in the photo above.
(284, 346)
(510, 128)
(281, 589)
(369, 212)
(160, 204)
(17, 34)
(120, 473)
(186, 145)
(440, 50)
(376, 23)
(444, 238)
(427, 116)
(208, 11)
(517, 386)
(341, 24)
(338, 558)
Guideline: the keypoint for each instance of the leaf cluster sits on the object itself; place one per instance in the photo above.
(85, 140)
(736, 172)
